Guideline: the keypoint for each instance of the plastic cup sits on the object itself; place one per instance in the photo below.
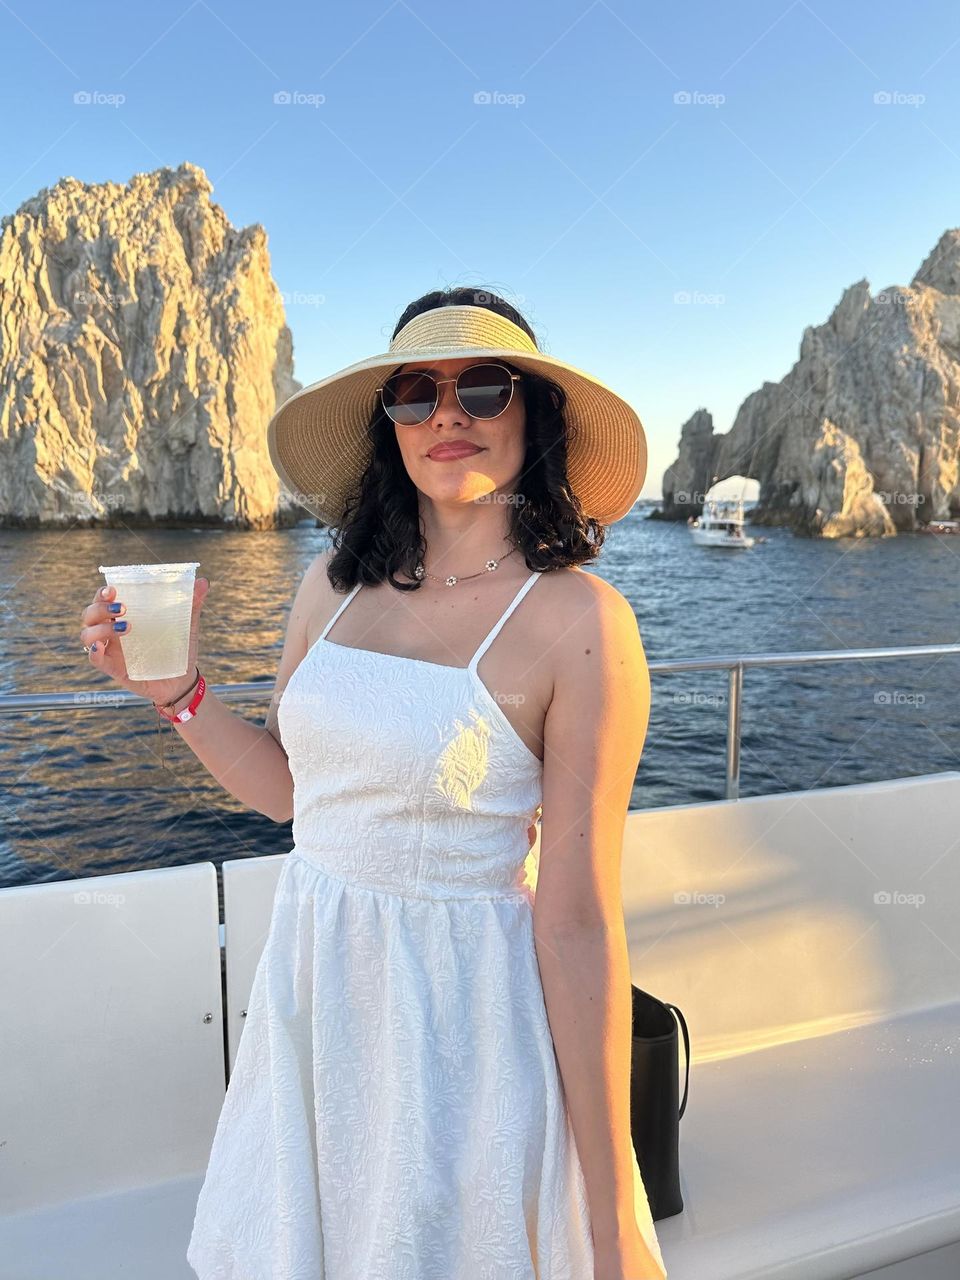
(159, 604)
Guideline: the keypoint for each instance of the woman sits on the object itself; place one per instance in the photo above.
(433, 1078)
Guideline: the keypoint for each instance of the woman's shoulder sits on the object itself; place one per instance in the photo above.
(317, 593)
(581, 611)
(595, 658)
(580, 594)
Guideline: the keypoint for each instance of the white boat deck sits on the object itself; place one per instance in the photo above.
(818, 1140)
(822, 1158)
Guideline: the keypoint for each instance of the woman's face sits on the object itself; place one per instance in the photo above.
(495, 460)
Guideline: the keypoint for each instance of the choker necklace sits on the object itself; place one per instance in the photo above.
(451, 581)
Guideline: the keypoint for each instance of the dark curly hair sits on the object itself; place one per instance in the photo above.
(380, 532)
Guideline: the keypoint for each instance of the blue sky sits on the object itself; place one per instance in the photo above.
(583, 190)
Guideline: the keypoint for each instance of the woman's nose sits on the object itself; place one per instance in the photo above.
(447, 401)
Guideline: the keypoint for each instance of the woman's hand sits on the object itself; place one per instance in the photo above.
(532, 829)
(97, 632)
(627, 1257)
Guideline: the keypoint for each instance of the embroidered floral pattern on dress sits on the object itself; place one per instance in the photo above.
(396, 1110)
(464, 763)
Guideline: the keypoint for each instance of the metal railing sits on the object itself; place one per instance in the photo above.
(733, 664)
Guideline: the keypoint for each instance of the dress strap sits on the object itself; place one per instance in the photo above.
(340, 608)
(494, 631)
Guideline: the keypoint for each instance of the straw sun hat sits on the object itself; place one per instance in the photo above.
(318, 439)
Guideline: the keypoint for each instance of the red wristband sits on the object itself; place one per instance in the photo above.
(188, 712)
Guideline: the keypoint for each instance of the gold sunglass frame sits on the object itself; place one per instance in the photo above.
(439, 382)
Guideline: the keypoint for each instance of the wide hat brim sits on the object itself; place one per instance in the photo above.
(318, 439)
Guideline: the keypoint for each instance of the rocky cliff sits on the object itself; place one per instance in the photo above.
(863, 434)
(143, 349)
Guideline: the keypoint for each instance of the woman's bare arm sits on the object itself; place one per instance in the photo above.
(248, 760)
(593, 737)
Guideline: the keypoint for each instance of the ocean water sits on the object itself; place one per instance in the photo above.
(83, 792)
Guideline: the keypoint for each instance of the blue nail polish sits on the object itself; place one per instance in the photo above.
(115, 608)
(120, 626)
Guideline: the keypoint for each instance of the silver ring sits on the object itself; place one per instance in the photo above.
(86, 648)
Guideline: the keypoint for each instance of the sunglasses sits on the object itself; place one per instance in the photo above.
(483, 390)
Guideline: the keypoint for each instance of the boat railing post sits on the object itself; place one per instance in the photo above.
(734, 692)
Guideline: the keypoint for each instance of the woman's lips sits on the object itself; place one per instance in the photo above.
(447, 452)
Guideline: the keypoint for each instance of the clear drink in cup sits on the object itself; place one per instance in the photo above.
(159, 604)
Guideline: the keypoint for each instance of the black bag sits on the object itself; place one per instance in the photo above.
(654, 1113)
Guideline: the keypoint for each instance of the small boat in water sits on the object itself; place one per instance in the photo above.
(940, 526)
(720, 524)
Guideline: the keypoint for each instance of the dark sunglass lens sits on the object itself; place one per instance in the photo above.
(409, 398)
(484, 390)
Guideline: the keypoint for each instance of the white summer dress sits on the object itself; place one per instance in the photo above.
(396, 1110)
